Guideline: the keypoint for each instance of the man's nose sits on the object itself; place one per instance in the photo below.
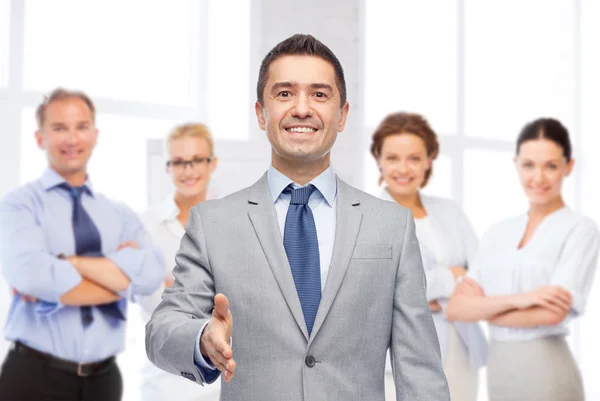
(302, 107)
(72, 136)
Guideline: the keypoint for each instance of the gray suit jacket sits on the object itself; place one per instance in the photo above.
(374, 298)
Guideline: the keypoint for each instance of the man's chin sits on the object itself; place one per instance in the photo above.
(72, 168)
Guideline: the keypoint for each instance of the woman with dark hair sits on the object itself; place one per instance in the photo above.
(405, 146)
(532, 275)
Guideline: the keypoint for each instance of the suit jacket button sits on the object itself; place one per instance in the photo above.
(310, 361)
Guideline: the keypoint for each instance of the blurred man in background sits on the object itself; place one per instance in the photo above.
(73, 258)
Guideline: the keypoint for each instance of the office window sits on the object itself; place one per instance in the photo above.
(518, 65)
(134, 50)
(492, 188)
(588, 164)
(4, 40)
(411, 61)
(230, 91)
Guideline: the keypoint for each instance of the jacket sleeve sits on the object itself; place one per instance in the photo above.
(172, 332)
(415, 350)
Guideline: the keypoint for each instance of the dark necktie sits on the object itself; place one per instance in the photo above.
(302, 249)
(88, 243)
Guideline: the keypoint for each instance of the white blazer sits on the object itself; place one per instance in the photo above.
(459, 245)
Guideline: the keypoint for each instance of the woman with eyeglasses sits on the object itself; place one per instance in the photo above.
(190, 164)
(532, 276)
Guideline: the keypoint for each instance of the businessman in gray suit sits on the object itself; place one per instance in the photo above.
(319, 277)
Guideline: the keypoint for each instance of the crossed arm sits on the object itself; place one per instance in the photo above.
(101, 280)
(440, 284)
(36, 274)
(547, 305)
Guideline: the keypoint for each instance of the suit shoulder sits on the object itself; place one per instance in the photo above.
(24, 195)
(373, 205)
(227, 203)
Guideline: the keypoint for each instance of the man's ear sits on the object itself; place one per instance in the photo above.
(258, 109)
(39, 139)
(343, 116)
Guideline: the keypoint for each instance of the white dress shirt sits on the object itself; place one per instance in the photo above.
(323, 205)
(157, 385)
(563, 251)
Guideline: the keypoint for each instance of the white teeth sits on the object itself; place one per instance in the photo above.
(301, 129)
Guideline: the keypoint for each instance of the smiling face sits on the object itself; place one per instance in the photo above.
(301, 111)
(68, 135)
(191, 179)
(542, 167)
(403, 163)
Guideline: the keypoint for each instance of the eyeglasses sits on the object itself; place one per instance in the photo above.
(196, 162)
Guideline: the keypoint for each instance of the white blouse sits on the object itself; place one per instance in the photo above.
(166, 232)
(430, 240)
(157, 385)
(562, 251)
(447, 239)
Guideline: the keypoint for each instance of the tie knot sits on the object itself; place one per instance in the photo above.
(74, 191)
(301, 196)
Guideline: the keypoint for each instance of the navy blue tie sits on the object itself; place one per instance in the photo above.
(302, 249)
(88, 243)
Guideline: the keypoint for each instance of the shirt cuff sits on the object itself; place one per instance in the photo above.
(69, 278)
(208, 371)
(198, 358)
(44, 308)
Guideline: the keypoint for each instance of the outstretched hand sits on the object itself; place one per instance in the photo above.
(214, 342)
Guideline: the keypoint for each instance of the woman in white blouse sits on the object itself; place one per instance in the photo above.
(532, 276)
(404, 146)
(191, 162)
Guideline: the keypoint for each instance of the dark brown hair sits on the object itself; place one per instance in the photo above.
(547, 128)
(301, 45)
(406, 123)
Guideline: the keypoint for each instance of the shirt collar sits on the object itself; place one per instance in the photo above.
(325, 183)
(168, 210)
(385, 195)
(50, 179)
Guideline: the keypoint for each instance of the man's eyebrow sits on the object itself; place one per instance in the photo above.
(280, 85)
(321, 86)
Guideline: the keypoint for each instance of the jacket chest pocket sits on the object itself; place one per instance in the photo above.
(363, 252)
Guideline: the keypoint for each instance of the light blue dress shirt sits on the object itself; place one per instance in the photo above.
(323, 205)
(36, 227)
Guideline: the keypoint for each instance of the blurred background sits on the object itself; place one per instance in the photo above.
(477, 69)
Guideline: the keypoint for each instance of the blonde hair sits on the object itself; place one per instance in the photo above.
(60, 94)
(195, 130)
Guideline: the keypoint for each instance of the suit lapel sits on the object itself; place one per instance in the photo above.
(348, 219)
(264, 220)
